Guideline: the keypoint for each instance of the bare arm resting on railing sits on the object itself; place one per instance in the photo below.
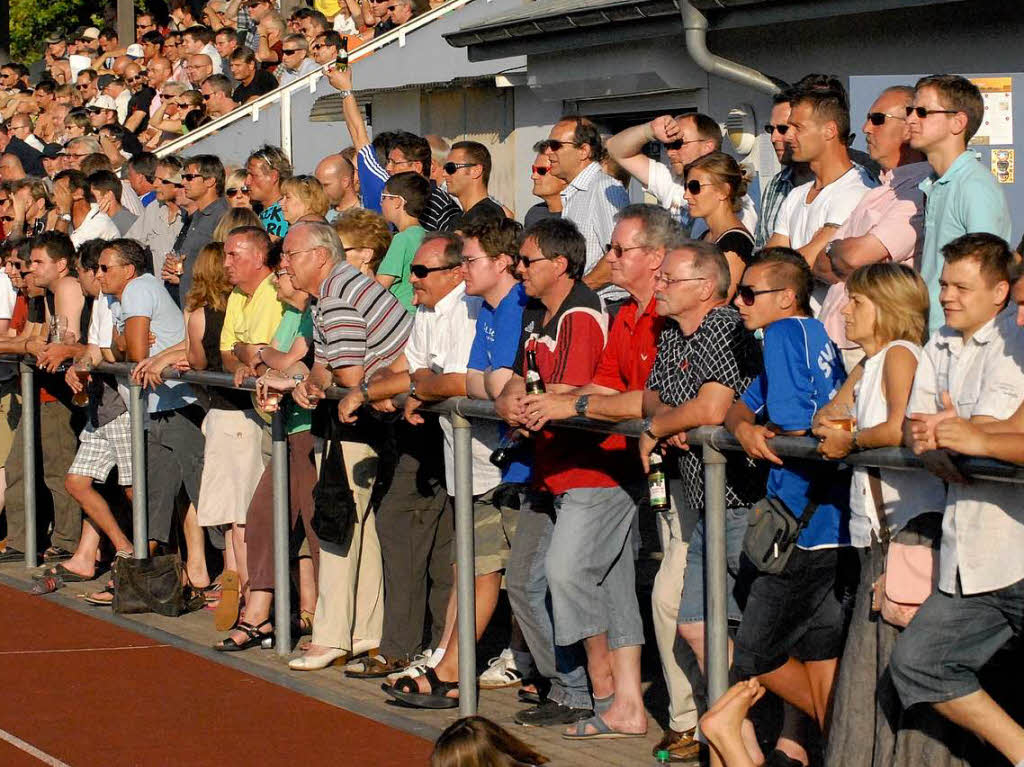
(742, 422)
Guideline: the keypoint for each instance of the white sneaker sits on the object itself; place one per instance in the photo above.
(420, 663)
(501, 672)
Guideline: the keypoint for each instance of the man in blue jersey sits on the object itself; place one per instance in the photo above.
(792, 631)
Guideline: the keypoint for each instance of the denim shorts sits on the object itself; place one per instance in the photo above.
(590, 569)
(794, 614)
(938, 656)
(692, 605)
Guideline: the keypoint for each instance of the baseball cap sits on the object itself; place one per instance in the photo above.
(51, 151)
(56, 37)
(104, 80)
(134, 51)
(91, 33)
(103, 102)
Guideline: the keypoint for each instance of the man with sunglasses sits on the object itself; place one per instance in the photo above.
(294, 61)
(591, 197)
(216, 90)
(140, 99)
(326, 46)
(684, 138)
(160, 223)
(791, 175)
(887, 223)
(793, 622)
(86, 86)
(546, 185)
(204, 185)
(466, 174)
(963, 197)
(819, 132)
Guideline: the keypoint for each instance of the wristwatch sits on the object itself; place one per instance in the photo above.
(412, 388)
(345, 94)
(364, 387)
(581, 405)
(646, 426)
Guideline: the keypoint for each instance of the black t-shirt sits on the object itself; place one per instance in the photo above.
(736, 241)
(384, 27)
(538, 212)
(140, 102)
(263, 82)
(484, 211)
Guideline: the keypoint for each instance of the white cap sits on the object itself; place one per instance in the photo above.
(103, 102)
(91, 33)
(134, 51)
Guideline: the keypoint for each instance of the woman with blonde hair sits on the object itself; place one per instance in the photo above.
(475, 741)
(235, 190)
(887, 316)
(715, 186)
(303, 196)
(233, 218)
(365, 236)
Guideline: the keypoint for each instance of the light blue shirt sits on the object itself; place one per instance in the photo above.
(966, 199)
(146, 296)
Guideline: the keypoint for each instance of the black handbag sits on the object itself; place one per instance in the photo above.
(334, 510)
(153, 585)
(772, 532)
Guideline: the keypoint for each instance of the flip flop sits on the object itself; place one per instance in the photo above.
(601, 731)
(59, 571)
(226, 614)
(98, 598)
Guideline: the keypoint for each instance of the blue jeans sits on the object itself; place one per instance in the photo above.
(527, 584)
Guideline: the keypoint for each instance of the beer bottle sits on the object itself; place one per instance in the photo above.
(534, 383)
(657, 484)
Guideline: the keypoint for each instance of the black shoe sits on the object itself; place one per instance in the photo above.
(779, 758)
(550, 713)
(534, 698)
(11, 554)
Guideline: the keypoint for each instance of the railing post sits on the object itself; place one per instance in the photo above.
(716, 624)
(286, 123)
(140, 515)
(465, 587)
(282, 509)
(28, 432)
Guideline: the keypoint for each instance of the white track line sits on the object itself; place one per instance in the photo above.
(31, 750)
(82, 649)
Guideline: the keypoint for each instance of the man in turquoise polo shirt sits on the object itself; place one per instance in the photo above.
(961, 196)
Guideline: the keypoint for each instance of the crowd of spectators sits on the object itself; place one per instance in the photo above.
(839, 306)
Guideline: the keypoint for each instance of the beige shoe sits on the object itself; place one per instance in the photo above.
(309, 662)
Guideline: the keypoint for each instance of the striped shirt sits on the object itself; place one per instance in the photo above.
(358, 322)
(778, 188)
(442, 212)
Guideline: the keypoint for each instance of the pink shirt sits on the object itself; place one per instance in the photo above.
(893, 213)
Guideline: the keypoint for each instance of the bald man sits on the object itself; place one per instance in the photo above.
(158, 72)
(199, 67)
(142, 94)
(337, 176)
(10, 168)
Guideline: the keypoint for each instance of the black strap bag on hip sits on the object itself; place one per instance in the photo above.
(153, 585)
(334, 510)
(772, 532)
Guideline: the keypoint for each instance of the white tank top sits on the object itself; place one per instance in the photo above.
(905, 493)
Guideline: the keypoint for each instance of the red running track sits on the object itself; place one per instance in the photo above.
(85, 692)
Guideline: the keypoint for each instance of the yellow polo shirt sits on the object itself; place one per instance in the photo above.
(251, 319)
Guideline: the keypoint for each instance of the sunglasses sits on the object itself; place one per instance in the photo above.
(290, 51)
(528, 262)
(7, 219)
(191, 176)
(694, 186)
(923, 112)
(540, 170)
(451, 167)
(878, 118)
(680, 143)
(82, 87)
(748, 295)
(107, 267)
(419, 271)
(555, 145)
(170, 183)
(782, 128)
(236, 190)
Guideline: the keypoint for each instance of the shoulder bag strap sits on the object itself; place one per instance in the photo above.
(875, 491)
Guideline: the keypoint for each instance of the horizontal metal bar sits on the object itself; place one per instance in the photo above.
(788, 447)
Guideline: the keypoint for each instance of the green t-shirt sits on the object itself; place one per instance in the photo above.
(295, 324)
(397, 261)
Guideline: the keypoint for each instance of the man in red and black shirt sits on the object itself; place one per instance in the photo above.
(639, 241)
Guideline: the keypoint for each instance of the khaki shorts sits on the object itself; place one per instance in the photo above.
(495, 514)
(7, 402)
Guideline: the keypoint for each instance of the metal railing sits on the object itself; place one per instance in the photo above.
(712, 440)
(310, 80)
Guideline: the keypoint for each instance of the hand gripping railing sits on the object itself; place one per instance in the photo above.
(712, 440)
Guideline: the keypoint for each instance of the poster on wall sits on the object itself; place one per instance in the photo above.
(997, 125)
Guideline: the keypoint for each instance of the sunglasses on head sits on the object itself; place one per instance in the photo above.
(782, 128)
(540, 170)
(236, 190)
(419, 271)
(923, 112)
(878, 118)
(748, 295)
